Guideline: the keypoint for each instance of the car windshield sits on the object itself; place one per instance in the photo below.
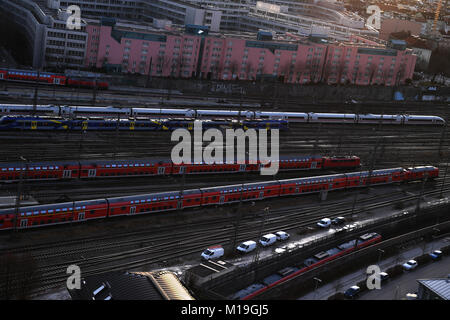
(244, 246)
(208, 252)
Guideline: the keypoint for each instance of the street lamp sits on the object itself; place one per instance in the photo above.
(317, 280)
(379, 255)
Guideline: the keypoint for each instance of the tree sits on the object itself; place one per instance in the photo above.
(234, 68)
(439, 62)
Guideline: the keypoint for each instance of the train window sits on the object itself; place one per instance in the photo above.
(123, 208)
(92, 211)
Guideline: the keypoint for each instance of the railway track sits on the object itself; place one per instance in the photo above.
(140, 248)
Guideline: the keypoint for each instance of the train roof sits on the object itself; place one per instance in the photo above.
(218, 112)
(333, 115)
(162, 111)
(313, 179)
(33, 164)
(149, 197)
(289, 114)
(134, 162)
(63, 207)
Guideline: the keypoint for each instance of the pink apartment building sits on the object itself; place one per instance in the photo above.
(176, 53)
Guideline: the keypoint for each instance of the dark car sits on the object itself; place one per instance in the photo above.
(352, 292)
(338, 220)
(436, 254)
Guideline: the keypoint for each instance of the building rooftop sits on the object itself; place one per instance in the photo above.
(163, 285)
(439, 286)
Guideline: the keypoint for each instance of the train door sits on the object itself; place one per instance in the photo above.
(261, 194)
(313, 165)
(182, 169)
(81, 216)
(297, 189)
(33, 125)
(180, 204)
(221, 199)
(23, 223)
(132, 210)
(67, 174)
(1, 76)
(92, 173)
(161, 170)
(242, 167)
(56, 81)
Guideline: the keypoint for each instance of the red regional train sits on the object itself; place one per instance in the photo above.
(152, 167)
(77, 211)
(50, 78)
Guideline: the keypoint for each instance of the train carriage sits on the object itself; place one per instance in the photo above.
(164, 113)
(50, 214)
(131, 205)
(29, 109)
(113, 112)
(24, 75)
(221, 114)
(341, 162)
(421, 172)
(121, 168)
(291, 116)
(38, 170)
(223, 194)
(422, 120)
(378, 118)
(190, 198)
(332, 117)
(312, 162)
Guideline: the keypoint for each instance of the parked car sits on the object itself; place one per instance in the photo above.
(246, 246)
(410, 265)
(268, 239)
(384, 276)
(213, 252)
(324, 223)
(436, 254)
(281, 235)
(338, 220)
(352, 292)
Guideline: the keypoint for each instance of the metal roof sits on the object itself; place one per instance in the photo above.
(132, 286)
(439, 286)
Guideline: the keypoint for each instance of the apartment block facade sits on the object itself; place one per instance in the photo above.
(242, 56)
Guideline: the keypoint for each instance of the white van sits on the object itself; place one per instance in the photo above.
(268, 239)
(246, 246)
(213, 252)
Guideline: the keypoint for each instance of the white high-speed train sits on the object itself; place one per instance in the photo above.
(310, 117)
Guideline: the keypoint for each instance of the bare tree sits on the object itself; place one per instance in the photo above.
(400, 74)
(298, 70)
(234, 67)
(372, 69)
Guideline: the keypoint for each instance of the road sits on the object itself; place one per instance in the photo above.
(396, 288)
